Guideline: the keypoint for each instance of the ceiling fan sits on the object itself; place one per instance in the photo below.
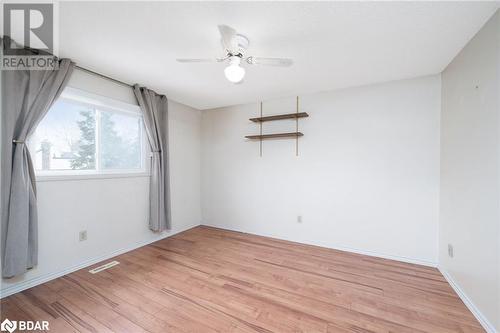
(234, 46)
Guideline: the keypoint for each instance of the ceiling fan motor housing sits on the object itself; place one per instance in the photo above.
(240, 43)
(234, 60)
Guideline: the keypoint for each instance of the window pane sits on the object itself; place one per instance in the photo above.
(119, 141)
(65, 138)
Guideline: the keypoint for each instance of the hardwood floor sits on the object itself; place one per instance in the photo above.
(213, 280)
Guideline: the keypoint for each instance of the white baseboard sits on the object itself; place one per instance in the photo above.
(340, 248)
(26, 284)
(487, 325)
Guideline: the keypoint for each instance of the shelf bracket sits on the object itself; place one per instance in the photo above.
(261, 130)
(297, 129)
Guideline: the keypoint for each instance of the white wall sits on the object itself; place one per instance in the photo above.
(113, 211)
(367, 178)
(470, 171)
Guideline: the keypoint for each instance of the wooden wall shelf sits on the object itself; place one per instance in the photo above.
(275, 135)
(295, 135)
(280, 117)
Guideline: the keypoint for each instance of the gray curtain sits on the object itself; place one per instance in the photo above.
(155, 112)
(27, 95)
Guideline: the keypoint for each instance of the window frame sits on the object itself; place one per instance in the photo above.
(100, 103)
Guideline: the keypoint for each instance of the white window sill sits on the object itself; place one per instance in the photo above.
(52, 178)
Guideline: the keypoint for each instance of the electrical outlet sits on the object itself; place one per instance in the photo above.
(299, 218)
(450, 250)
(82, 235)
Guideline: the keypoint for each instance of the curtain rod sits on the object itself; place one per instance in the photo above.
(37, 51)
(104, 76)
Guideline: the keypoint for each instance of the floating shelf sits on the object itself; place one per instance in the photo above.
(280, 117)
(275, 135)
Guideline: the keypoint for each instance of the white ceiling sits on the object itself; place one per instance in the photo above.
(334, 44)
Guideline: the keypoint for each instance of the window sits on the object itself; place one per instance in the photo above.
(89, 134)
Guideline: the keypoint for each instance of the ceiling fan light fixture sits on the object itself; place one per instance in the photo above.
(234, 72)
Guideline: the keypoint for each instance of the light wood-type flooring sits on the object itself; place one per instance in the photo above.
(213, 280)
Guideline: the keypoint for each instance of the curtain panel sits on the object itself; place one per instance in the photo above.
(27, 95)
(155, 112)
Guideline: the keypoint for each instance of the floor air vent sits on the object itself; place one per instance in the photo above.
(103, 267)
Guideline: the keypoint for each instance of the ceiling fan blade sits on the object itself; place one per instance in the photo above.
(227, 35)
(280, 62)
(196, 60)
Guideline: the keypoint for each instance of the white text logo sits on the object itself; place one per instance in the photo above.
(24, 325)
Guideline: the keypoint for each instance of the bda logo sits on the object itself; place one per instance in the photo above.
(24, 325)
(8, 325)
